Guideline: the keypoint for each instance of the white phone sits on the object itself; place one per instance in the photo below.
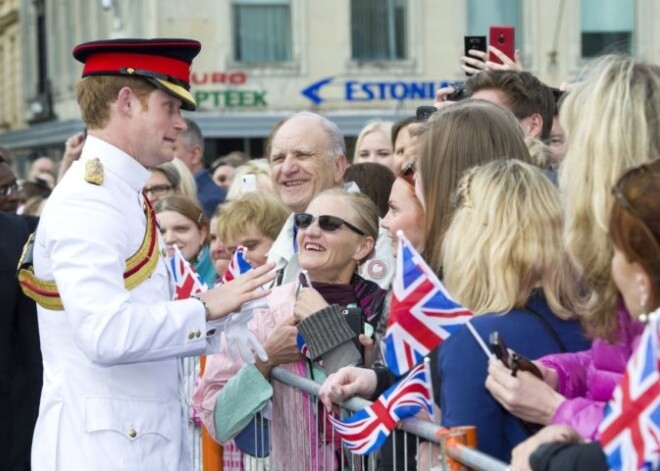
(249, 183)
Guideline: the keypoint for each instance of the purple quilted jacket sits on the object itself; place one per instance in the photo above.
(587, 379)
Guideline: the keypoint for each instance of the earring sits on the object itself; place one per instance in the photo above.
(643, 295)
(643, 317)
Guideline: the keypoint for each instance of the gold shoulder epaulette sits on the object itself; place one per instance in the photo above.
(94, 171)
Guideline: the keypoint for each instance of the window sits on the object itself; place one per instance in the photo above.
(378, 30)
(607, 26)
(262, 30)
(482, 15)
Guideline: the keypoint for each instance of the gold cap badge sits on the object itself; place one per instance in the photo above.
(94, 171)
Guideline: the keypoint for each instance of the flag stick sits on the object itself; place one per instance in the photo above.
(479, 340)
(435, 412)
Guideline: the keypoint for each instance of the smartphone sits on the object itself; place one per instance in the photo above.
(425, 112)
(514, 361)
(459, 92)
(355, 321)
(474, 42)
(504, 39)
(249, 183)
(498, 347)
(520, 363)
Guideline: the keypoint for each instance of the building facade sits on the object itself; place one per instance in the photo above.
(352, 60)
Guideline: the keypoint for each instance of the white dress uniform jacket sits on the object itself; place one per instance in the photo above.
(112, 397)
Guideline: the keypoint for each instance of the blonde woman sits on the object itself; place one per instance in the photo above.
(611, 121)
(503, 259)
(374, 144)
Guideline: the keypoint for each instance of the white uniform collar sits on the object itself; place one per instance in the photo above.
(116, 161)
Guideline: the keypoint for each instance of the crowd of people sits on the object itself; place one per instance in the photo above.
(535, 206)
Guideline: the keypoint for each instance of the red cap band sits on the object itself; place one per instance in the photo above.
(114, 62)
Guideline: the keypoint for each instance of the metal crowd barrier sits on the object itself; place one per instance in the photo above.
(442, 449)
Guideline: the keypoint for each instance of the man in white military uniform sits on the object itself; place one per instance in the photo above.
(110, 335)
(308, 155)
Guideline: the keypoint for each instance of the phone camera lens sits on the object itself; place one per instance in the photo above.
(501, 39)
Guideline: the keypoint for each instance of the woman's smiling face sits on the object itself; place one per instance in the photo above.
(330, 256)
(178, 230)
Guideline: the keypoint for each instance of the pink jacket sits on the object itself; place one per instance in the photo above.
(292, 410)
(221, 367)
(587, 379)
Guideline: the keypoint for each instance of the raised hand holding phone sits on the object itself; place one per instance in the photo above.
(475, 54)
(524, 395)
(504, 39)
(505, 62)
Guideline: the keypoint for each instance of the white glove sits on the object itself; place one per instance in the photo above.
(241, 340)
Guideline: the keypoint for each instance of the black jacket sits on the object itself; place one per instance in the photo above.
(21, 369)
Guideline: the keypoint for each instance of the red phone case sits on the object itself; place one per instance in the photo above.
(504, 39)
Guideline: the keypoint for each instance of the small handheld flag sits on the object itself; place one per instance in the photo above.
(237, 266)
(187, 281)
(422, 315)
(365, 431)
(630, 430)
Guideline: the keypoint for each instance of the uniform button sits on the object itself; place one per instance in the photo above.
(198, 334)
(191, 335)
(132, 433)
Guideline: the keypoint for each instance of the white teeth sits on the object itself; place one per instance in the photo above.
(314, 247)
(294, 183)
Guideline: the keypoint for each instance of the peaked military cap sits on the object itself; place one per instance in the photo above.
(165, 63)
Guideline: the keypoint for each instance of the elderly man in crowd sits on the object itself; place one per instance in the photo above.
(307, 156)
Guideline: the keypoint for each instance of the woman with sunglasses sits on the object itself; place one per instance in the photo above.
(335, 234)
(635, 233)
(611, 123)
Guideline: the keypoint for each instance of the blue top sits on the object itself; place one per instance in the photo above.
(209, 194)
(462, 370)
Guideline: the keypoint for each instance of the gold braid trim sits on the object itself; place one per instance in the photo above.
(139, 267)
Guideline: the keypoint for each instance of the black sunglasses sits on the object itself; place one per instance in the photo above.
(326, 223)
(636, 176)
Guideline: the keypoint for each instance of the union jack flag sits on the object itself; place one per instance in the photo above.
(365, 431)
(187, 281)
(630, 430)
(237, 266)
(422, 315)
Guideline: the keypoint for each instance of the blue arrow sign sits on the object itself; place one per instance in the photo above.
(378, 90)
(311, 92)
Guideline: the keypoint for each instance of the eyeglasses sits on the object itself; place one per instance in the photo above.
(158, 190)
(326, 223)
(636, 174)
(7, 190)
